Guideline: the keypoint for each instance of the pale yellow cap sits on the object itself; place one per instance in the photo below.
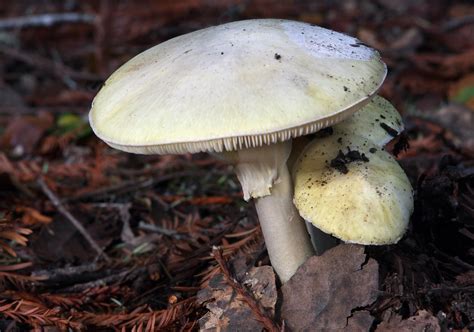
(378, 121)
(370, 204)
(234, 86)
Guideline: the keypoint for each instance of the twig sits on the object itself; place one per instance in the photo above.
(160, 230)
(57, 69)
(76, 223)
(131, 185)
(45, 20)
(466, 289)
(259, 312)
(457, 23)
(118, 277)
(28, 110)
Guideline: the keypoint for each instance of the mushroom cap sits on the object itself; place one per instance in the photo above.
(370, 204)
(234, 86)
(378, 121)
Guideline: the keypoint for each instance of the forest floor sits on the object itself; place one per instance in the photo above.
(170, 234)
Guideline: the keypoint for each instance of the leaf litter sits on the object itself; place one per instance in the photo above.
(158, 217)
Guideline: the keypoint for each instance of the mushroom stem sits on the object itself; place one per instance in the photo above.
(264, 175)
(320, 240)
(285, 235)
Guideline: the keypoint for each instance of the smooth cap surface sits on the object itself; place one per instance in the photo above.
(237, 85)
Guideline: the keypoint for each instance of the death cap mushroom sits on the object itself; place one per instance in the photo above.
(247, 87)
(234, 86)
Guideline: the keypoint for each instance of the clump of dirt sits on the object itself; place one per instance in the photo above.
(341, 160)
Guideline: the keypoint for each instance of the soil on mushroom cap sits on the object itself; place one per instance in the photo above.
(341, 160)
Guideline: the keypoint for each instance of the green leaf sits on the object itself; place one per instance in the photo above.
(464, 95)
(68, 122)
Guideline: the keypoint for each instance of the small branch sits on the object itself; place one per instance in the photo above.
(131, 186)
(55, 68)
(160, 230)
(76, 223)
(29, 110)
(45, 20)
(116, 278)
(259, 312)
(458, 22)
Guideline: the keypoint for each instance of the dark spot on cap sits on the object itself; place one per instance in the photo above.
(277, 56)
(222, 53)
(339, 163)
(354, 155)
(392, 132)
(346, 88)
(362, 44)
(372, 150)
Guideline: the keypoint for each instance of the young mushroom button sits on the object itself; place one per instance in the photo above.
(242, 90)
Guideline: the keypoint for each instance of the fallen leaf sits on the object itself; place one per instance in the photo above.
(32, 216)
(458, 122)
(423, 321)
(23, 133)
(445, 66)
(9, 98)
(72, 124)
(462, 91)
(328, 292)
(227, 312)
(407, 42)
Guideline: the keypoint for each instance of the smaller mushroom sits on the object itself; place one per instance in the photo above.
(348, 186)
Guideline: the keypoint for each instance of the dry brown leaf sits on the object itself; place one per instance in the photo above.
(329, 292)
(227, 312)
(423, 321)
(32, 216)
(407, 42)
(23, 133)
(458, 122)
